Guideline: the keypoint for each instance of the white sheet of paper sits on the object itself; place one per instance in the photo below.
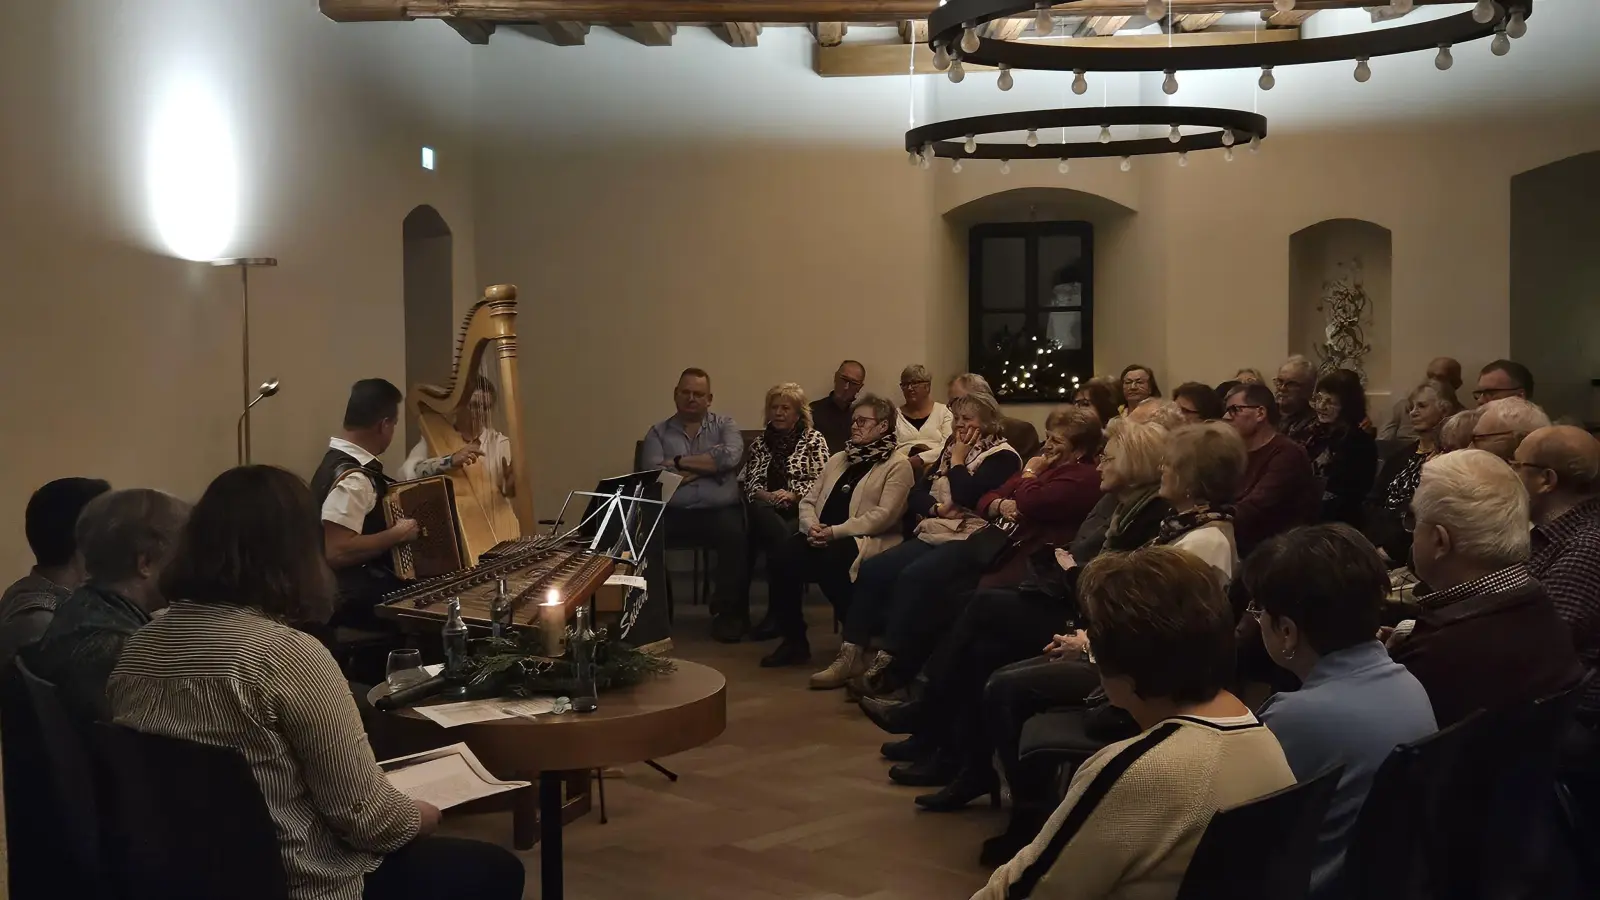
(468, 712)
(446, 777)
(669, 482)
(630, 581)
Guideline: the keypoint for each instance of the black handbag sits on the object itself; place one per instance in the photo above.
(989, 543)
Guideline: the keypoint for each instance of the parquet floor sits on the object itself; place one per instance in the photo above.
(791, 803)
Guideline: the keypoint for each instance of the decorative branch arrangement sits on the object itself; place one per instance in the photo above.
(1346, 308)
(517, 666)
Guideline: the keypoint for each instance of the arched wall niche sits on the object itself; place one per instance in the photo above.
(1328, 252)
(1127, 323)
(1555, 283)
(430, 324)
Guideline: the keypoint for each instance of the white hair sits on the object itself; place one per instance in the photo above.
(1523, 417)
(974, 383)
(1480, 501)
(1302, 365)
(1165, 413)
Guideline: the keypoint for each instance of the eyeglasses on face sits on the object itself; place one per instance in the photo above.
(1236, 408)
(1489, 436)
(912, 384)
(1281, 383)
(1324, 401)
(846, 380)
(1481, 393)
(863, 421)
(1135, 382)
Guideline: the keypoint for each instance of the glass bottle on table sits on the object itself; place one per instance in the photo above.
(583, 692)
(500, 612)
(455, 640)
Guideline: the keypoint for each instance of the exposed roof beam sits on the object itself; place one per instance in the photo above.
(739, 34)
(829, 34)
(1294, 18)
(1005, 29)
(474, 30)
(847, 60)
(1195, 22)
(914, 31)
(650, 34)
(562, 34)
(1102, 26)
(785, 11)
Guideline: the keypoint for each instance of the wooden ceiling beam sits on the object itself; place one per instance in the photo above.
(858, 60)
(1197, 22)
(776, 11)
(829, 34)
(913, 31)
(562, 34)
(650, 34)
(1294, 18)
(1005, 29)
(739, 34)
(1102, 26)
(475, 31)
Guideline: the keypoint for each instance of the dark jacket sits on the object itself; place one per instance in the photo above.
(1489, 650)
(81, 647)
(1345, 461)
(1383, 523)
(1276, 494)
(1050, 508)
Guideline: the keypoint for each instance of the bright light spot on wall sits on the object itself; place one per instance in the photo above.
(192, 172)
(427, 158)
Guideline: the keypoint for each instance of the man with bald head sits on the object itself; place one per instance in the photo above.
(1560, 467)
(1444, 370)
(1504, 425)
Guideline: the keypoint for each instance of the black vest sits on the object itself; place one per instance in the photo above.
(367, 582)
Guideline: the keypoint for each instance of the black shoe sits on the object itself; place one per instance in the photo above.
(998, 850)
(912, 748)
(789, 653)
(893, 716)
(969, 785)
(729, 629)
(935, 771)
(766, 631)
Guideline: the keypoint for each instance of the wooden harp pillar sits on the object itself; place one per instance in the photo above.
(488, 339)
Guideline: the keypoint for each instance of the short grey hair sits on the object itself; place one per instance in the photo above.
(119, 528)
(1140, 448)
(1443, 392)
(974, 383)
(1456, 432)
(915, 372)
(1303, 365)
(1207, 461)
(982, 405)
(882, 409)
(1165, 413)
(1480, 501)
(1522, 417)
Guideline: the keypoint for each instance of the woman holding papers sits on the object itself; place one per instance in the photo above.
(225, 666)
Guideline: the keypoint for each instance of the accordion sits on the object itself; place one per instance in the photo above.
(439, 548)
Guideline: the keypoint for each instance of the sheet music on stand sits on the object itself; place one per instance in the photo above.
(621, 518)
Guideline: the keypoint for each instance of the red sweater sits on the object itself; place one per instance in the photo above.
(1050, 507)
(1276, 494)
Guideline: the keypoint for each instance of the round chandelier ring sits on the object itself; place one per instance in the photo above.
(948, 138)
(947, 23)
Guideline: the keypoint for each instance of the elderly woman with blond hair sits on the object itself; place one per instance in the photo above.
(1433, 405)
(780, 467)
(924, 424)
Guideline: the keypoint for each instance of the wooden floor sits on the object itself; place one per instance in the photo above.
(791, 802)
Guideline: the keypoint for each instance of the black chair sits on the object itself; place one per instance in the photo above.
(72, 782)
(185, 821)
(1396, 850)
(1263, 849)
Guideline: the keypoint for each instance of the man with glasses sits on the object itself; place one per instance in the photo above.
(1277, 492)
(1297, 377)
(1505, 423)
(1560, 468)
(1501, 379)
(831, 414)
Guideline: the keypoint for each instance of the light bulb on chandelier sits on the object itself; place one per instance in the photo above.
(971, 145)
(1401, 7)
(1227, 137)
(1483, 13)
(1183, 158)
(1501, 45)
(969, 39)
(941, 58)
(1255, 144)
(1169, 85)
(1175, 135)
(1079, 83)
(923, 164)
(1267, 81)
(1126, 165)
(1063, 167)
(1033, 137)
(956, 74)
(1155, 10)
(1363, 70)
(1005, 167)
(1227, 154)
(1105, 134)
(1517, 25)
(1006, 81)
(1044, 23)
(956, 167)
(927, 151)
(1444, 60)
(1283, 5)
(913, 157)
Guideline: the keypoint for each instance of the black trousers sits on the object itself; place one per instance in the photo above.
(722, 530)
(767, 528)
(794, 564)
(998, 626)
(1017, 693)
(434, 868)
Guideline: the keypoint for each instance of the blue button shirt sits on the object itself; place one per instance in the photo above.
(1355, 707)
(718, 436)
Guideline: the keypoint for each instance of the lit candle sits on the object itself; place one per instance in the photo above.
(553, 624)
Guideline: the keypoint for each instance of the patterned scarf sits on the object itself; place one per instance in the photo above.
(780, 444)
(1179, 524)
(874, 452)
(1397, 495)
(986, 442)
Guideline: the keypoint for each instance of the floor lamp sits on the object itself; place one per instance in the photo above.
(245, 264)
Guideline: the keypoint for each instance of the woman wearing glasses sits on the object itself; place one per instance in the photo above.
(1099, 395)
(1432, 402)
(1138, 385)
(1344, 456)
(923, 421)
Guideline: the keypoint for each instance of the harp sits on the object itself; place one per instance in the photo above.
(492, 497)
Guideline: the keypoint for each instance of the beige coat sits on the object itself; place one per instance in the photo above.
(875, 508)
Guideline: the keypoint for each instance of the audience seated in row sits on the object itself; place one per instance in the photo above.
(51, 518)
(1430, 403)
(1278, 491)
(1344, 455)
(1399, 426)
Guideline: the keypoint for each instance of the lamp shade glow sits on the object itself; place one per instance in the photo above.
(191, 173)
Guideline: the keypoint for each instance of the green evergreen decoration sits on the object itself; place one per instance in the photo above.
(517, 665)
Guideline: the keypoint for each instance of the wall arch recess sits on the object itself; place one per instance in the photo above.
(1321, 258)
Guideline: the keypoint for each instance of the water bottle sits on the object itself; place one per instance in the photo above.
(583, 693)
(455, 640)
(500, 612)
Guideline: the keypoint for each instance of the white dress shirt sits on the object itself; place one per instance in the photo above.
(352, 498)
(496, 449)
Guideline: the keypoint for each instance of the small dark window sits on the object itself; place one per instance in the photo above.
(1031, 305)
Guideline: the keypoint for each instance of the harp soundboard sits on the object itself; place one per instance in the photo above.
(531, 569)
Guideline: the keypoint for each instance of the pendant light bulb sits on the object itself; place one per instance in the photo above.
(1169, 85)
(956, 167)
(1079, 83)
(1267, 81)
(1183, 158)
(927, 151)
(1517, 25)
(1255, 143)
(972, 143)
(1363, 70)
(1501, 45)
(1044, 23)
(1483, 13)
(1005, 167)
(1401, 7)
(1283, 5)
(1033, 137)
(923, 164)
(1175, 135)
(1227, 137)
(1105, 134)
(1063, 167)
(941, 58)
(1227, 154)
(956, 74)
(913, 157)
(969, 40)
(1444, 60)
(1155, 10)
(1006, 81)
(1126, 165)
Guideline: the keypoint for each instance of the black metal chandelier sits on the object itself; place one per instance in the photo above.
(957, 139)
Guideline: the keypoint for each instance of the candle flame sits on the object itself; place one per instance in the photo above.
(553, 598)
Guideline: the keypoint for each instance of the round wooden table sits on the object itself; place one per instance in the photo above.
(662, 716)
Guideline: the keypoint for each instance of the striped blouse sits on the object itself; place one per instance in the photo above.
(232, 677)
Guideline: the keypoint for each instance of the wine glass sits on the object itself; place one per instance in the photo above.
(404, 669)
